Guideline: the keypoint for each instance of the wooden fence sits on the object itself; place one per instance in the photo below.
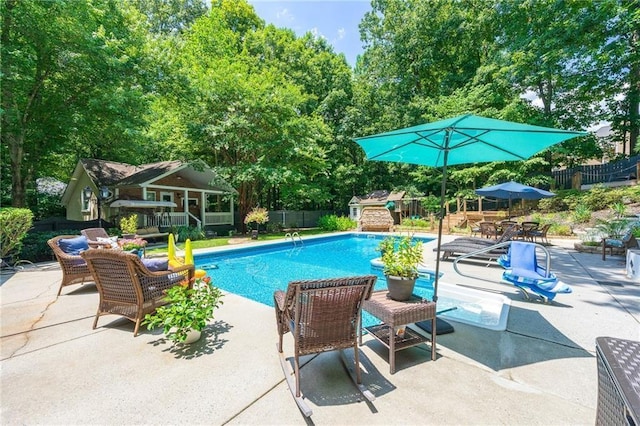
(574, 177)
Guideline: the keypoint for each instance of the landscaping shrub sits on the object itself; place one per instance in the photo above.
(14, 224)
(581, 214)
(599, 198)
(188, 232)
(562, 230)
(35, 247)
(552, 205)
(334, 223)
(416, 223)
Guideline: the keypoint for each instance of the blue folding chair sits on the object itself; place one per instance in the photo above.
(523, 271)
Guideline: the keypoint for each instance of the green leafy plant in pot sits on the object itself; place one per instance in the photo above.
(188, 311)
(400, 259)
(258, 216)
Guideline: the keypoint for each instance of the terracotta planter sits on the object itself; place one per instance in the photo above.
(400, 288)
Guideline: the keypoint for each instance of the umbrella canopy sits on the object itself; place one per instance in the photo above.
(514, 190)
(460, 140)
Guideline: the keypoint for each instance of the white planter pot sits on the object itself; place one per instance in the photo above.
(192, 336)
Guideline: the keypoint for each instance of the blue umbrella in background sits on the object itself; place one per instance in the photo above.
(460, 140)
(514, 190)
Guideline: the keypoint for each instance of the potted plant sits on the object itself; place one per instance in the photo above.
(188, 311)
(129, 226)
(133, 245)
(400, 259)
(259, 216)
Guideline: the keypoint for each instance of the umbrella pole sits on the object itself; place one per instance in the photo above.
(443, 188)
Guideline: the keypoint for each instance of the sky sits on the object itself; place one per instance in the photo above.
(337, 21)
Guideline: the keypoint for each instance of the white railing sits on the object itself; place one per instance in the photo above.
(182, 219)
(218, 218)
(166, 219)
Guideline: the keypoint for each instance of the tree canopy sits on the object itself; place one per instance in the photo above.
(275, 113)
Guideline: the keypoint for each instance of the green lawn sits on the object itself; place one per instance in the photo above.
(224, 241)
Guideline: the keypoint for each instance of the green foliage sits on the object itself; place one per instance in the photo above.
(184, 233)
(34, 245)
(83, 60)
(188, 309)
(599, 197)
(553, 204)
(258, 215)
(416, 223)
(14, 224)
(614, 228)
(560, 229)
(332, 223)
(401, 258)
(581, 213)
(619, 209)
(274, 228)
(129, 224)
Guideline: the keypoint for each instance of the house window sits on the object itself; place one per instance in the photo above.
(193, 202)
(151, 195)
(214, 203)
(166, 196)
(85, 201)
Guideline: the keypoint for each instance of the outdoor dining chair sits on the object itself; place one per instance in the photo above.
(488, 230)
(322, 315)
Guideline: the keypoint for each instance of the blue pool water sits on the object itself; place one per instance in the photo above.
(256, 272)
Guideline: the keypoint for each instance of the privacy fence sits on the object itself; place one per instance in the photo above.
(574, 177)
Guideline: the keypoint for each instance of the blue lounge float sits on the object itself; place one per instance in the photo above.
(523, 271)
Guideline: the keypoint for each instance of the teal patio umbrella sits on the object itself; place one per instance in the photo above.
(460, 140)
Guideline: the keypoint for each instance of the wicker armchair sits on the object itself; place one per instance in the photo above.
(74, 268)
(323, 315)
(93, 234)
(127, 287)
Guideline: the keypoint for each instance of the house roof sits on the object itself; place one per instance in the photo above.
(379, 197)
(111, 174)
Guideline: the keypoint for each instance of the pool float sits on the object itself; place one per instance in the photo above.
(175, 262)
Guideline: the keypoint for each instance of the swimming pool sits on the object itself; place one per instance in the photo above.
(255, 272)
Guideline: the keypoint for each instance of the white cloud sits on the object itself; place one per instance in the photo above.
(341, 33)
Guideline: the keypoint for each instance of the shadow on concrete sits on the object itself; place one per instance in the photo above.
(535, 341)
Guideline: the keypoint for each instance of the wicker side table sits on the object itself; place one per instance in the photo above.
(394, 314)
(618, 381)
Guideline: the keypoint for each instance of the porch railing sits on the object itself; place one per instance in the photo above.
(168, 219)
(218, 218)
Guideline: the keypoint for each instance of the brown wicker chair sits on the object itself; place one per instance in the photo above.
(323, 315)
(74, 268)
(93, 234)
(127, 287)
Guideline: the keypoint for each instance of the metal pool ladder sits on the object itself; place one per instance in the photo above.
(293, 237)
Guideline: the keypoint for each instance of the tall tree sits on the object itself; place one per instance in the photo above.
(69, 87)
(170, 16)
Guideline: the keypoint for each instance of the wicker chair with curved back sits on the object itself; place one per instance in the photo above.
(322, 315)
(93, 234)
(127, 287)
(74, 268)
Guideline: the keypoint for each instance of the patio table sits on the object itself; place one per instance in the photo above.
(396, 314)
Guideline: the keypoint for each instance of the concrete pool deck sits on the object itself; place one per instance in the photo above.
(542, 370)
